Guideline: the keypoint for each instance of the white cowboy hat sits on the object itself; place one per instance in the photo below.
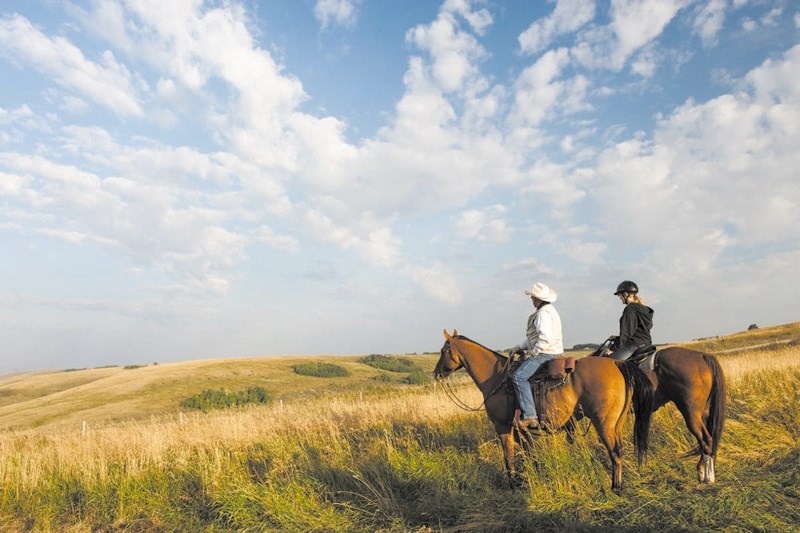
(542, 292)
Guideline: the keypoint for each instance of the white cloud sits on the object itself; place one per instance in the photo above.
(718, 175)
(107, 83)
(634, 24)
(567, 17)
(454, 52)
(484, 225)
(539, 92)
(708, 20)
(266, 235)
(336, 12)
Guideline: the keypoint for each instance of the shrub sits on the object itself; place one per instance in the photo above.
(417, 377)
(220, 399)
(321, 370)
(383, 378)
(392, 364)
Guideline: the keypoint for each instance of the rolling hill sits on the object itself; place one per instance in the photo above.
(105, 395)
(102, 396)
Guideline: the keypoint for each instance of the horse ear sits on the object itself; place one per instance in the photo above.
(446, 335)
(455, 332)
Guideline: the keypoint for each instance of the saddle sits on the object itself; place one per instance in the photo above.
(646, 357)
(550, 376)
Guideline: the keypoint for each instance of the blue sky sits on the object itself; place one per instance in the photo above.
(190, 179)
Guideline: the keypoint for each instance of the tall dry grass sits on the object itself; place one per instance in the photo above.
(403, 461)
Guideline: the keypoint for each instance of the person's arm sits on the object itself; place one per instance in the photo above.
(627, 326)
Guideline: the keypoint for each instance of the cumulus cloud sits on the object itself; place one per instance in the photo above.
(699, 171)
(567, 17)
(462, 164)
(634, 24)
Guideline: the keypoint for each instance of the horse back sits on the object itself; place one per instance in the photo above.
(596, 378)
(684, 366)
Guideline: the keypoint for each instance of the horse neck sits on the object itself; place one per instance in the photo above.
(482, 364)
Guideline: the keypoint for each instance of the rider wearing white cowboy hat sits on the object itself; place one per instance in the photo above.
(542, 343)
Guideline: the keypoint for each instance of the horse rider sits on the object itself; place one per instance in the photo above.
(634, 324)
(542, 343)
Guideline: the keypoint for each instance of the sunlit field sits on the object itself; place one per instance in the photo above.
(405, 459)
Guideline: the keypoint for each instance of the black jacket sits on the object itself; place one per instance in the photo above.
(634, 325)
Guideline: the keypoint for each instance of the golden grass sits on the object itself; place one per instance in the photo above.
(173, 439)
(162, 442)
(112, 395)
(119, 461)
(736, 366)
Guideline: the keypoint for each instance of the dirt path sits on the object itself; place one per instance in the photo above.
(755, 346)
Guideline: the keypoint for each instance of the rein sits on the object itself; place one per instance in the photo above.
(462, 405)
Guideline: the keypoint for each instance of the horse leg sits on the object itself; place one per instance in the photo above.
(705, 469)
(609, 438)
(507, 442)
(695, 422)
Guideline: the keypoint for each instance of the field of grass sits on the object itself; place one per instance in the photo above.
(397, 458)
(111, 395)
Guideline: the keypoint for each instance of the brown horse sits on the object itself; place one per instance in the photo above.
(602, 388)
(695, 383)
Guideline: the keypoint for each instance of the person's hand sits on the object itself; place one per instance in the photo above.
(516, 350)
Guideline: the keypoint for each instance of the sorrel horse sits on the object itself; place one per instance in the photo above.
(695, 383)
(602, 388)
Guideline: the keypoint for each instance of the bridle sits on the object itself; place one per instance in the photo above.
(460, 403)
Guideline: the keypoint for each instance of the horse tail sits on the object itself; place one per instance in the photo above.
(717, 402)
(643, 398)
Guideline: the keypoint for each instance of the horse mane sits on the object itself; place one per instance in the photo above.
(465, 338)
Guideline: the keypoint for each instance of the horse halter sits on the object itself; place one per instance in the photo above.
(442, 373)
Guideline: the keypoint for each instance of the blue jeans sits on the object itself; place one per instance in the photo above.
(520, 378)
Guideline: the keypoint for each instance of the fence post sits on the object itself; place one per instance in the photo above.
(84, 428)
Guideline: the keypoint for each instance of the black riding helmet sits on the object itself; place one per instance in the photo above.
(628, 287)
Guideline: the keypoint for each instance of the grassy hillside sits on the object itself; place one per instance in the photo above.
(401, 458)
(107, 395)
(762, 338)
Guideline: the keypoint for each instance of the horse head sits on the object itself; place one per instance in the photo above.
(449, 361)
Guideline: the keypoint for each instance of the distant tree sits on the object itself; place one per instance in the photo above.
(585, 346)
(752, 326)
